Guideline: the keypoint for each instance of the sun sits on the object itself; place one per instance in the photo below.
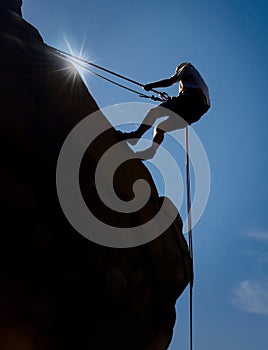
(80, 54)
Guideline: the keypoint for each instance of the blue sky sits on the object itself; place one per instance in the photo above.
(227, 41)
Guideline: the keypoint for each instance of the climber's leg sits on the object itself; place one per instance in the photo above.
(151, 151)
(146, 124)
(173, 122)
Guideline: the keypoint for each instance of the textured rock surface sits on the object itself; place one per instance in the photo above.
(57, 289)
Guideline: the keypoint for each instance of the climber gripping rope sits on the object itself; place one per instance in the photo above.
(191, 103)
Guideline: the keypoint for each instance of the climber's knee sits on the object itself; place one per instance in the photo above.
(151, 116)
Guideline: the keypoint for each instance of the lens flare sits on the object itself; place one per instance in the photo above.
(78, 53)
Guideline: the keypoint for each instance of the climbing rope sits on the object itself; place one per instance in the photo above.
(163, 95)
(190, 233)
(115, 83)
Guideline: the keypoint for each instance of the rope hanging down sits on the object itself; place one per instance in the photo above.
(163, 95)
(190, 233)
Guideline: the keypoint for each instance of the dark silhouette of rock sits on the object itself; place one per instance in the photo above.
(13, 5)
(59, 290)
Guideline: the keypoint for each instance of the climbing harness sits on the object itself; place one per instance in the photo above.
(163, 96)
(190, 233)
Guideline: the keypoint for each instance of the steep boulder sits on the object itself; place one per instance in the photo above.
(59, 290)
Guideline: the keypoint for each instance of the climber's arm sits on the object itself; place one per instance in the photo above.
(161, 83)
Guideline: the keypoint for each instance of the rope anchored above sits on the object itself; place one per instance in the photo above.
(163, 96)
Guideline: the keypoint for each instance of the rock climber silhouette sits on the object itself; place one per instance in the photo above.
(191, 103)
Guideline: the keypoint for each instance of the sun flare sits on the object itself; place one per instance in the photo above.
(80, 54)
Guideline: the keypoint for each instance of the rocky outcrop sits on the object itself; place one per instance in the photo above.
(59, 290)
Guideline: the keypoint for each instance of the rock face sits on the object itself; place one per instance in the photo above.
(59, 290)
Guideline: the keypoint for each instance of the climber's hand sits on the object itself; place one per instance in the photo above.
(147, 87)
